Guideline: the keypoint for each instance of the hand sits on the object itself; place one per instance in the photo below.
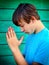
(12, 38)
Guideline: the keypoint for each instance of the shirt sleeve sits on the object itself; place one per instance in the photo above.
(41, 55)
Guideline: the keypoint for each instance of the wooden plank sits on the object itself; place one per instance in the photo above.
(44, 15)
(19, 35)
(40, 4)
(7, 60)
(5, 24)
(5, 50)
(46, 24)
(7, 14)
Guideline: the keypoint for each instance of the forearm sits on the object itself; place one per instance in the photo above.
(13, 43)
(19, 57)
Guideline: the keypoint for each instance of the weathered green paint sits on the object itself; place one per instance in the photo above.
(7, 8)
(6, 14)
(5, 50)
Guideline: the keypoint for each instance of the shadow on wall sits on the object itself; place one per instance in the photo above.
(8, 61)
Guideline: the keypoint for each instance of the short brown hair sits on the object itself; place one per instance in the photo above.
(25, 11)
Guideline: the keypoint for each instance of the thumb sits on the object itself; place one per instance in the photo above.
(21, 39)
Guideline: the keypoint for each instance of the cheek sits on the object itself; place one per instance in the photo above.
(27, 28)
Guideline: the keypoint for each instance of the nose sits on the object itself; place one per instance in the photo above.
(22, 29)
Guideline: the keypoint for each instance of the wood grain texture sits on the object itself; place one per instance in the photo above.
(7, 7)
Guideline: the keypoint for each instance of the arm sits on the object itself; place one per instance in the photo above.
(19, 57)
(13, 43)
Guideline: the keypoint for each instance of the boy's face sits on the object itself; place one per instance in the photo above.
(27, 28)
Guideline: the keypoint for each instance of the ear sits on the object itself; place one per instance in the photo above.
(33, 18)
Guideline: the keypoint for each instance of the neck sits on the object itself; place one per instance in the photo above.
(39, 27)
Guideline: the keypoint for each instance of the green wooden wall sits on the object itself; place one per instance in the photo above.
(7, 8)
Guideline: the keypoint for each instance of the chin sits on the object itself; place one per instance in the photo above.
(27, 32)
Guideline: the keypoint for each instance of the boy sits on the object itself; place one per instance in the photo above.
(37, 44)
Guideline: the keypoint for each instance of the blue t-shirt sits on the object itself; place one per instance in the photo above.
(37, 47)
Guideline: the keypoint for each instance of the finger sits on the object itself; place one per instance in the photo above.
(7, 36)
(21, 39)
(10, 32)
(14, 34)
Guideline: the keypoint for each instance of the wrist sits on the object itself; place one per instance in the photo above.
(14, 49)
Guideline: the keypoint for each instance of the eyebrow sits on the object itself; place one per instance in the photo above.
(20, 24)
